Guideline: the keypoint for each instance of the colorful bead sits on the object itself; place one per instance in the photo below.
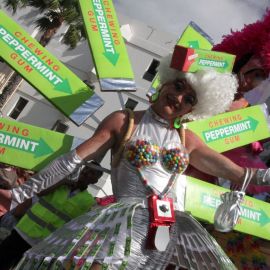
(174, 158)
(141, 153)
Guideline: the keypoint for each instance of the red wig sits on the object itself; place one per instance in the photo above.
(252, 40)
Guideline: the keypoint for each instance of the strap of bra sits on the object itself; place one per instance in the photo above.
(125, 139)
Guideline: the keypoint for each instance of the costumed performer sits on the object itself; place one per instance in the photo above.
(126, 235)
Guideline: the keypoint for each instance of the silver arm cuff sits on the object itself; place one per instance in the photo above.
(47, 177)
(262, 177)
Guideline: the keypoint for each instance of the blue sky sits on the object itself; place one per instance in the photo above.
(215, 17)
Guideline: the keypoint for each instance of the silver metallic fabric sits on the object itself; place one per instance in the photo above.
(228, 211)
(89, 107)
(262, 177)
(196, 249)
(117, 241)
(47, 177)
(117, 84)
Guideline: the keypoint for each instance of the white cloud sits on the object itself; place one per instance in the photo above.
(215, 17)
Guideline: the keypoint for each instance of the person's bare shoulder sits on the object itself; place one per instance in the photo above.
(192, 141)
(119, 120)
(119, 124)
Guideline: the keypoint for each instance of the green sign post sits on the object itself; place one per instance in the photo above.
(46, 73)
(107, 45)
(233, 129)
(31, 147)
(203, 198)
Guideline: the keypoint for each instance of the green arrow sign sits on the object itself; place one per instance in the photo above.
(20, 143)
(105, 33)
(203, 198)
(259, 216)
(194, 37)
(34, 63)
(45, 72)
(226, 131)
(233, 129)
(107, 45)
(31, 147)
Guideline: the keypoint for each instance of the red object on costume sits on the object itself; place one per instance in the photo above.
(182, 58)
(106, 200)
(159, 217)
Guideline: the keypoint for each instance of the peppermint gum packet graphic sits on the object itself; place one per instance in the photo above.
(47, 74)
(107, 45)
(192, 60)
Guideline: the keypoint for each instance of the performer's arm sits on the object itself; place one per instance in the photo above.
(106, 137)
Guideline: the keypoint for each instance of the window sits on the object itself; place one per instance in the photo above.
(60, 126)
(21, 103)
(131, 104)
(151, 71)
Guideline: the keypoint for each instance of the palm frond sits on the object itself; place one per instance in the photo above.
(54, 4)
(72, 36)
(55, 12)
(44, 5)
(14, 5)
(69, 3)
(43, 24)
(81, 29)
(70, 14)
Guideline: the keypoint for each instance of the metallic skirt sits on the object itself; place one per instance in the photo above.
(115, 237)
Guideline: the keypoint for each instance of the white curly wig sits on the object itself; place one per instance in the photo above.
(215, 91)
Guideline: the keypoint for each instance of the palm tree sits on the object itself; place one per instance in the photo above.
(55, 13)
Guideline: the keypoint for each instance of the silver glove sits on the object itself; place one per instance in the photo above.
(262, 177)
(228, 212)
(47, 177)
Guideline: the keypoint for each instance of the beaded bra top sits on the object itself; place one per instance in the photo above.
(155, 150)
(155, 136)
(142, 151)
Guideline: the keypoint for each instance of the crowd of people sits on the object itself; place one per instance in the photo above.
(147, 227)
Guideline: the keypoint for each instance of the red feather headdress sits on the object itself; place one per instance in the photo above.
(252, 40)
